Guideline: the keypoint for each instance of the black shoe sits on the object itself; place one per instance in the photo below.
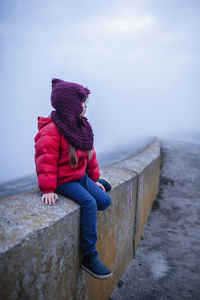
(106, 184)
(92, 265)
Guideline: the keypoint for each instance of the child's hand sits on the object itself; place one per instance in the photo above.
(101, 186)
(50, 198)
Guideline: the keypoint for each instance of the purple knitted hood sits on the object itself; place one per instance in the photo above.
(67, 99)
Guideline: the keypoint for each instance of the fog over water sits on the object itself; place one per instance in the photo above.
(140, 59)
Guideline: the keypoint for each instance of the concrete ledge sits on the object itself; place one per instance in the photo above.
(39, 249)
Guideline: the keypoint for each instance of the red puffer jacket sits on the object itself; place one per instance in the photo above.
(52, 158)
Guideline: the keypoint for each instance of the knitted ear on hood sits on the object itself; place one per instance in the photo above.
(81, 92)
(87, 91)
(54, 81)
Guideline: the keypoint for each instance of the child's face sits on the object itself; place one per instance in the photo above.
(84, 105)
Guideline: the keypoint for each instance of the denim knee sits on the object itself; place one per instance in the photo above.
(89, 203)
(105, 203)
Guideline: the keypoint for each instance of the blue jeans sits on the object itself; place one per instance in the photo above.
(90, 197)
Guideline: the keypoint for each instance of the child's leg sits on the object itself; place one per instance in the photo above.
(88, 218)
(82, 193)
(102, 198)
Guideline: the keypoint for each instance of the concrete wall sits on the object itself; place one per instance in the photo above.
(39, 244)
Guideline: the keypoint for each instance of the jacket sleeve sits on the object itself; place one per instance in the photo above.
(46, 161)
(93, 168)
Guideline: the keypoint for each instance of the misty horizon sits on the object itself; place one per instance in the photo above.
(139, 59)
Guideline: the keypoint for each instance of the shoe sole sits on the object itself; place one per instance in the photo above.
(95, 275)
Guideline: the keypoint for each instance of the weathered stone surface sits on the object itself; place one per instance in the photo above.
(24, 214)
(38, 246)
(39, 249)
(167, 261)
(147, 165)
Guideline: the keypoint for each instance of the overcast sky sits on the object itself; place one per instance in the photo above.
(140, 59)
